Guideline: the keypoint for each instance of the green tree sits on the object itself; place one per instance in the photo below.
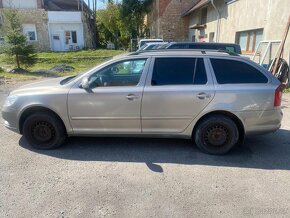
(111, 26)
(132, 12)
(120, 22)
(15, 45)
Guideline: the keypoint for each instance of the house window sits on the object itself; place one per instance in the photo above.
(31, 35)
(74, 36)
(203, 17)
(30, 31)
(55, 37)
(71, 37)
(249, 40)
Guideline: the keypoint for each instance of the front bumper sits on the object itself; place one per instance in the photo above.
(10, 118)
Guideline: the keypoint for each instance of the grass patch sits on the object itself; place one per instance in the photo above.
(79, 60)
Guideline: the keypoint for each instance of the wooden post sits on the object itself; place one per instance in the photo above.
(279, 54)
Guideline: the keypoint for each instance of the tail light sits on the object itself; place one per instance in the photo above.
(278, 96)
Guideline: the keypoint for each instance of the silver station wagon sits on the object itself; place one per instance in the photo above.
(213, 98)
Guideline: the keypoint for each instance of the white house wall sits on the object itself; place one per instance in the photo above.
(59, 29)
(65, 16)
(59, 23)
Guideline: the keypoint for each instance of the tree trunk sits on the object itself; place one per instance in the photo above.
(17, 61)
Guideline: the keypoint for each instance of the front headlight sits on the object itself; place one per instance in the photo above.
(10, 100)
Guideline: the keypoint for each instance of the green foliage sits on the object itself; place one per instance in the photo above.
(119, 23)
(111, 26)
(287, 90)
(132, 12)
(16, 48)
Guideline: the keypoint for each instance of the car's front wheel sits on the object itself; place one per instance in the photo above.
(216, 134)
(44, 130)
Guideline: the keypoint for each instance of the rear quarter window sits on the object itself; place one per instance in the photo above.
(236, 72)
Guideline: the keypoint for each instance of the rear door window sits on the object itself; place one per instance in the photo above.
(235, 72)
(178, 71)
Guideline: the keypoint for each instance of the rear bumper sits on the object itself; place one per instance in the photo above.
(261, 122)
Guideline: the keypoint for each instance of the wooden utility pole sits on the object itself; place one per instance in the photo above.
(92, 20)
(279, 54)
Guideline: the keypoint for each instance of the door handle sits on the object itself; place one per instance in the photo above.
(132, 97)
(203, 95)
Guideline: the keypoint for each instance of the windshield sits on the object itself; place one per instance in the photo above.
(163, 46)
(148, 41)
(142, 47)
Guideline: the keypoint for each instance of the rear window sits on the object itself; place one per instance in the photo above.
(178, 71)
(233, 72)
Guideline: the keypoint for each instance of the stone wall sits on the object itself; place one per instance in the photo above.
(172, 26)
(40, 19)
(165, 21)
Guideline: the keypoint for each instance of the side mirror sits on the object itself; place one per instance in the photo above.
(85, 83)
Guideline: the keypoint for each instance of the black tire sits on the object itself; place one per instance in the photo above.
(44, 130)
(216, 134)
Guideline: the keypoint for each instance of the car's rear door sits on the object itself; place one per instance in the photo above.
(177, 89)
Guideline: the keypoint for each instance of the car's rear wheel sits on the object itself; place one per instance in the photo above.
(44, 130)
(216, 134)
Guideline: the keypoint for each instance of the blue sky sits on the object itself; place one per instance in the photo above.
(100, 4)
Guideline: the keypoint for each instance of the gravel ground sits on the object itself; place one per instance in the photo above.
(120, 177)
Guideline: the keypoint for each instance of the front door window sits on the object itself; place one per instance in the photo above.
(124, 73)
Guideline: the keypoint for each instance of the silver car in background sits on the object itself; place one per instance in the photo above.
(214, 98)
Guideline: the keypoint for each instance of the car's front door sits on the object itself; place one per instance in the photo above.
(112, 103)
(176, 91)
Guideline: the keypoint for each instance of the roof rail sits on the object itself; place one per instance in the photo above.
(228, 52)
(203, 51)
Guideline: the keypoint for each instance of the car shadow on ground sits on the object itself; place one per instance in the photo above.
(262, 152)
